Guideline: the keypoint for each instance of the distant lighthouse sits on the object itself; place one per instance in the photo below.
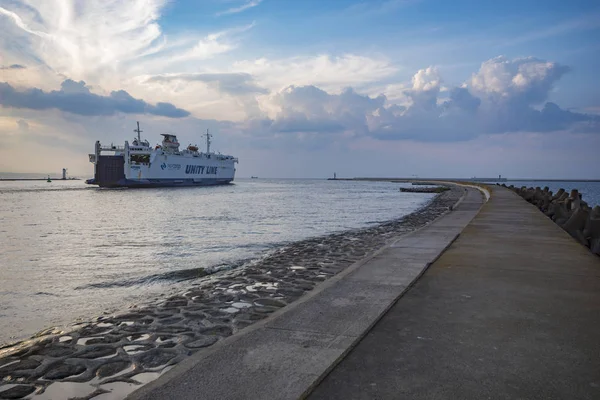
(64, 177)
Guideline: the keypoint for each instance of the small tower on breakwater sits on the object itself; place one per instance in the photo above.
(64, 175)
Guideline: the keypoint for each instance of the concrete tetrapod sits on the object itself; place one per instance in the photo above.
(569, 211)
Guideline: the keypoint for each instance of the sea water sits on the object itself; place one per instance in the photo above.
(70, 251)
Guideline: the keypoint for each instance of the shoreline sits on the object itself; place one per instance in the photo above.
(125, 348)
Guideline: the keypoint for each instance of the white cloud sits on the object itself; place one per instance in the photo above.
(79, 39)
(325, 71)
(210, 46)
(230, 83)
(243, 7)
(524, 79)
(427, 80)
(104, 41)
(18, 21)
(498, 98)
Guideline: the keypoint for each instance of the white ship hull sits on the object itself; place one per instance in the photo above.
(138, 165)
(177, 170)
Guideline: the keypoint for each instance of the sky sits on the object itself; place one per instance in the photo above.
(303, 89)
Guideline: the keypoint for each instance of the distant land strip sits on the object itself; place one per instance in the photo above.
(463, 179)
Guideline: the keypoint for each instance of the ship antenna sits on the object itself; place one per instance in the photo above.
(138, 131)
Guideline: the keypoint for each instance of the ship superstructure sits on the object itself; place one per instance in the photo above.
(139, 165)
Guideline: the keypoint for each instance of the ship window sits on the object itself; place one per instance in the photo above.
(140, 158)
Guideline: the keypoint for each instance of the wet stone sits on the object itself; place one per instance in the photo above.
(269, 302)
(61, 371)
(242, 324)
(174, 329)
(194, 324)
(170, 320)
(96, 352)
(226, 299)
(95, 341)
(22, 352)
(175, 303)
(216, 313)
(203, 341)
(132, 328)
(194, 315)
(290, 292)
(22, 365)
(267, 292)
(222, 330)
(137, 336)
(242, 316)
(195, 293)
(112, 368)
(305, 285)
(127, 317)
(154, 358)
(330, 271)
(249, 297)
(265, 310)
(279, 274)
(93, 331)
(54, 351)
(16, 392)
(256, 317)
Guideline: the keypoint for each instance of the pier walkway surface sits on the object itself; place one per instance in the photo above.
(510, 311)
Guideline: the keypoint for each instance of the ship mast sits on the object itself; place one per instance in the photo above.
(208, 136)
(138, 131)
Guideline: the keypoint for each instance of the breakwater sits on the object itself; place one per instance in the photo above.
(569, 211)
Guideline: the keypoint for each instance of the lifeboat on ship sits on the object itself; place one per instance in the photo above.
(192, 148)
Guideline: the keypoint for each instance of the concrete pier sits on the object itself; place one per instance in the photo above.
(497, 302)
(510, 310)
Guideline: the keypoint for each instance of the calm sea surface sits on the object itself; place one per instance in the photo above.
(71, 251)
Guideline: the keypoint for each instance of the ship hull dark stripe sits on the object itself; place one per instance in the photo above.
(152, 183)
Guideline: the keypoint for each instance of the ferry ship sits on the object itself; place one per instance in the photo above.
(139, 165)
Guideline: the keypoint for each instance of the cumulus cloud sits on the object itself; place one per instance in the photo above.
(301, 107)
(426, 84)
(503, 96)
(525, 80)
(232, 83)
(75, 97)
